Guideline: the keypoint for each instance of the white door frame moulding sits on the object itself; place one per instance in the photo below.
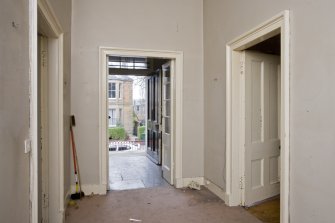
(177, 56)
(279, 24)
(33, 96)
(55, 35)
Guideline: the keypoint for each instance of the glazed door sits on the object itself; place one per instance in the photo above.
(262, 129)
(167, 96)
(154, 117)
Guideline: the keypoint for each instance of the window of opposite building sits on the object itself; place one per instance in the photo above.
(120, 90)
(111, 90)
(120, 116)
(112, 119)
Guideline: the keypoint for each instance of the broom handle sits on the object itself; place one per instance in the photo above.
(78, 171)
(73, 151)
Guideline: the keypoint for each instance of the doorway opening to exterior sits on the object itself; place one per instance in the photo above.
(258, 116)
(137, 121)
(141, 94)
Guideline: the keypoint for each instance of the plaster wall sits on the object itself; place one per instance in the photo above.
(14, 111)
(149, 24)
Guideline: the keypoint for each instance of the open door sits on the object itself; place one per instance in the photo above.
(154, 100)
(43, 125)
(262, 128)
(167, 75)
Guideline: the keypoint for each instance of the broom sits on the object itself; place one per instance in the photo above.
(79, 194)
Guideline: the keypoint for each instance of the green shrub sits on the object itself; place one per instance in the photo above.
(141, 132)
(117, 133)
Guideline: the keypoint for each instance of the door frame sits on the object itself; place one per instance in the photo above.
(177, 135)
(54, 32)
(278, 24)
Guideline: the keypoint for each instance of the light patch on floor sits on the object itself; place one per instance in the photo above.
(127, 185)
(133, 170)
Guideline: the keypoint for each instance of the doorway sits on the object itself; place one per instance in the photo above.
(176, 58)
(260, 78)
(257, 137)
(47, 191)
(43, 125)
(140, 128)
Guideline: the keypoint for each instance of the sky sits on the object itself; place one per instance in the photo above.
(138, 87)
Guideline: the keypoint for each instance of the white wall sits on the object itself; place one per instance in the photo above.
(312, 95)
(14, 111)
(147, 24)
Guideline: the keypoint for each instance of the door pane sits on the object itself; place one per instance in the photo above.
(167, 92)
(166, 75)
(167, 125)
(167, 111)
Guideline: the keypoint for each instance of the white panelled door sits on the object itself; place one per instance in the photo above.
(262, 134)
(167, 154)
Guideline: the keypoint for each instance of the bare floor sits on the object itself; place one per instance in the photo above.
(268, 211)
(133, 170)
(157, 205)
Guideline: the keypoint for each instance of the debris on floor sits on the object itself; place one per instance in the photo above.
(194, 185)
(134, 220)
(168, 205)
(73, 203)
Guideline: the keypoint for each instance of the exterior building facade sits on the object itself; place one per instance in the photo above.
(120, 102)
(139, 109)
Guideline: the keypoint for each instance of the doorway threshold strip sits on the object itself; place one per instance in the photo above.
(127, 185)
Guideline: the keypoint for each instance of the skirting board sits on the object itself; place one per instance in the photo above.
(179, 183)
(89, 189)
(66, 201)
(217, 191)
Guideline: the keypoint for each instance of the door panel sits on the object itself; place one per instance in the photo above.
(262, 141)
(166, 123)
(154, 117)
